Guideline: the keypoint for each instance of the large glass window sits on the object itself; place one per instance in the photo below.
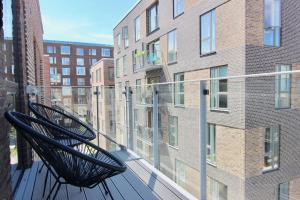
(138, 90)
(152, 18)
(51, 49)
(66, 81)
(208, 32)
(172, 47)
(179, 89)
(216, 190)
(79, 51)
(53, 70)
(211, 143)
(125, 36)
(219, 88)
(105, 52)
(92, 52)
(80, 61)
(283, 87)
(65, 61)
(173, 131)
(52, 60)
(180, 170)
(125, 65)
(271, 157)
(111, 75)
(65, 50)
(80, 71)
(137, 26)
(92, 61)
(283, 191)
(178, 6)
(80, 81)
(66, 71)
(272, 22)
(153, 51)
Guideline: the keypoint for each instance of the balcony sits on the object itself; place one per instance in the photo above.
(147, 62)
(224, 137)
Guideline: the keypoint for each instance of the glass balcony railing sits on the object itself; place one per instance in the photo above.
(223, 138)
(144, 61)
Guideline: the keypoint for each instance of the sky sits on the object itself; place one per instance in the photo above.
(81, 20)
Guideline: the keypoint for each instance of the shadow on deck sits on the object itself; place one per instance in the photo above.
(137, 182)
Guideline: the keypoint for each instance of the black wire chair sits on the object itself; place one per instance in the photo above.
(84, 165)
(61, 118)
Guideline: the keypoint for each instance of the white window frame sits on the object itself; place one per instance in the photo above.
(80, 61)
(105, 52)
(66, 71)
(173, 131)
(215, 88)
(80, 71)
(66, 81)
(178, 94)
(137, 28)
(273, 154)
(280, 92)
(178, 7)
(65, 50)
(79, 51)
(272, 22)
(65, 61)
(172, 46)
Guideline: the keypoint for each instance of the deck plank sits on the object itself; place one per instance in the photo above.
(114, 191)
(75, 193)
(31, 181)
(93, 193)
(125, 189)
(20, 192)
(39, 184)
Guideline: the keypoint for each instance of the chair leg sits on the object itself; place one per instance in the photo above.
(41, 168)
(80, 189)
(57, 189)
(52, 189)
(107, 189)
(45, 183)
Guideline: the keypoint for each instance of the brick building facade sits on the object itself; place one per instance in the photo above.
(184, 40)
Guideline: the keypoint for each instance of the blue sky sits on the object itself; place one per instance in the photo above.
(80, 20)
(83, 20)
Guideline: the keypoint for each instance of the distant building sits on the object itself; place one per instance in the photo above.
(102, 81)
(70, 64)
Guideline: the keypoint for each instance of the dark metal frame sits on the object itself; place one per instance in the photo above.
(85, 165)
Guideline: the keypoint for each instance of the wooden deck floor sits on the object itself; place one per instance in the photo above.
(137, 182)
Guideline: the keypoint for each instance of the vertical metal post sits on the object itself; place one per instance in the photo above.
(202, 142)
(155, 128)
(129, 121)
(97, 103)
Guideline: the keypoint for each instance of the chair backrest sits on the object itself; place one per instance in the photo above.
(62, 119)
(74, 164)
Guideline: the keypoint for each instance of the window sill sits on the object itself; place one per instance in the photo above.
(208, 54)
(283, 108)
(172, 63)
(173, 147)
(266, 170)
(177, 16)
(155, 30)
(179, 106)
(271, 46)
(220, 110)
(213, 164)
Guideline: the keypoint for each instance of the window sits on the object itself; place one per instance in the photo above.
(79, 51)
(138, 90)
(152, 18)
(180, 169)
(271, 157)
(125, 36)
(92, 52)
(105, 52)
(173, 131)
(66, 71)
(65, 50)
(52, 60)
(172, 47)
(51, 49)
(153, 50)
(81, 91)
(272, 22)
(118, 68)
(66, 81)
(80, 81)
(283, 191)
(111, 75)
(178, 6)
(97, 75)
(125, 65)
(65, 61)
(216, 190)
(283, 87)
(92, 61)
(137, 27)
(53, 70)
(211, 143)
(80, 61)
(66, 91)
(119, 40)
(80, 71)
(179, 89)
(219, 88)
(208, 33)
